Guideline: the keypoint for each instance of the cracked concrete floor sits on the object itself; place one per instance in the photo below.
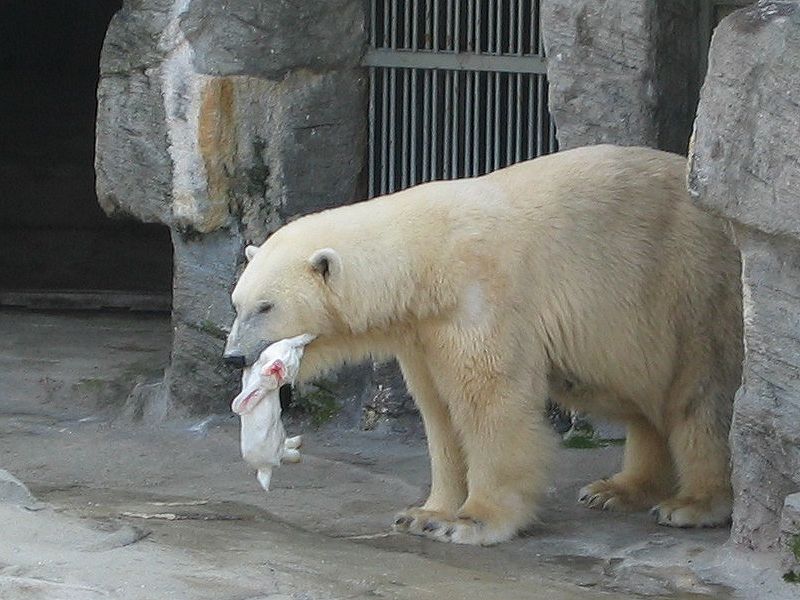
(139, 511)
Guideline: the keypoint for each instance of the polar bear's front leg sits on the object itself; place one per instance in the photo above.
(448, 469)
(508, 445)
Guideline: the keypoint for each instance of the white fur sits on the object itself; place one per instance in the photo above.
(263, 439)
(587, 275)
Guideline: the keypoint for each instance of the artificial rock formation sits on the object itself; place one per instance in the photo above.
(623, 71)
(745, 166)
(222, 121)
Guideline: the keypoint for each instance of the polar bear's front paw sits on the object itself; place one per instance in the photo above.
(693, 512)
(457, 530)
(612, 494)
(418, 521)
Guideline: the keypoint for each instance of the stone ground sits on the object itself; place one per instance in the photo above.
(144, 510)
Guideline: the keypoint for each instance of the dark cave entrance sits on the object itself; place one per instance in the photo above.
(57, 247)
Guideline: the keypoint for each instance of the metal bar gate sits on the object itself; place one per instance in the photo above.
(458, 88)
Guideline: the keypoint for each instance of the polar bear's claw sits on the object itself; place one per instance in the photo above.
(692, 512)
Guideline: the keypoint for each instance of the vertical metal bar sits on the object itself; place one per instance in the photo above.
(476, 136)
(487, 138)
(532, 125)
(456, 84)
(476, 94)
(392, 72)
(446, 117)
(510, 49)
(457, 27)
(478, 10)
(392, 127)
(405, 137)
(470, 45)
(384, 131)
(405, 133)
(448, 36)
(426, 100)
(455, 130)
(407, 24)
(490, 27)
(497, 49)
(414, 107)
(518, 120)
(539, 115)
(385, 32)
(414, 24)
(373, 23)
(371, 132)
(435, 124)
(384, 170)
(435, 25)
(372, 92)
(393, 37)
(448, 91)
(498, 38)
(490, 49)
(469, 80)
(518, 96)
(426, 119)
(414, 135)
(509, 119)
(496, 161)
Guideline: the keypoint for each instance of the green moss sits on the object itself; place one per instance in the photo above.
(794, 546)
(212, 329)
(585, 438)
(91, 385)
(793, 576)
(319, 403)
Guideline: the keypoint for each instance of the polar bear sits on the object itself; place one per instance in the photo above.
(586, 274)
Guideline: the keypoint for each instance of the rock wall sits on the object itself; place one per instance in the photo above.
(745, 166)
(623, 71)
(222, 121)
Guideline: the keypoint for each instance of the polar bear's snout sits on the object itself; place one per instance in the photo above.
(242, 350)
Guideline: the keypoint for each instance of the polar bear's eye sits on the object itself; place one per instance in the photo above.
(265, 307)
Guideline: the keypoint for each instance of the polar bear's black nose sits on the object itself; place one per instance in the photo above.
(236, 361)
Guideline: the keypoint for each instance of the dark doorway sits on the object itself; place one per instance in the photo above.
(53, 235)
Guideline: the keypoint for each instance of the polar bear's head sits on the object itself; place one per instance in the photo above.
(284, 291)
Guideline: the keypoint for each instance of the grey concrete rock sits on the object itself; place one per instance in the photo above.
(746, 158)
(744, 165)
(271, 38)
(132, 165)
(386, 397)
(133, 38)
(324, 141)
(602, 83)
(622, 72)
(205, 272)
(13, 491)
(765, 436)
(221, 121)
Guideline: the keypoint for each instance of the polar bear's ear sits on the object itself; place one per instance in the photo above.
(326, 262)
(250, 252)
